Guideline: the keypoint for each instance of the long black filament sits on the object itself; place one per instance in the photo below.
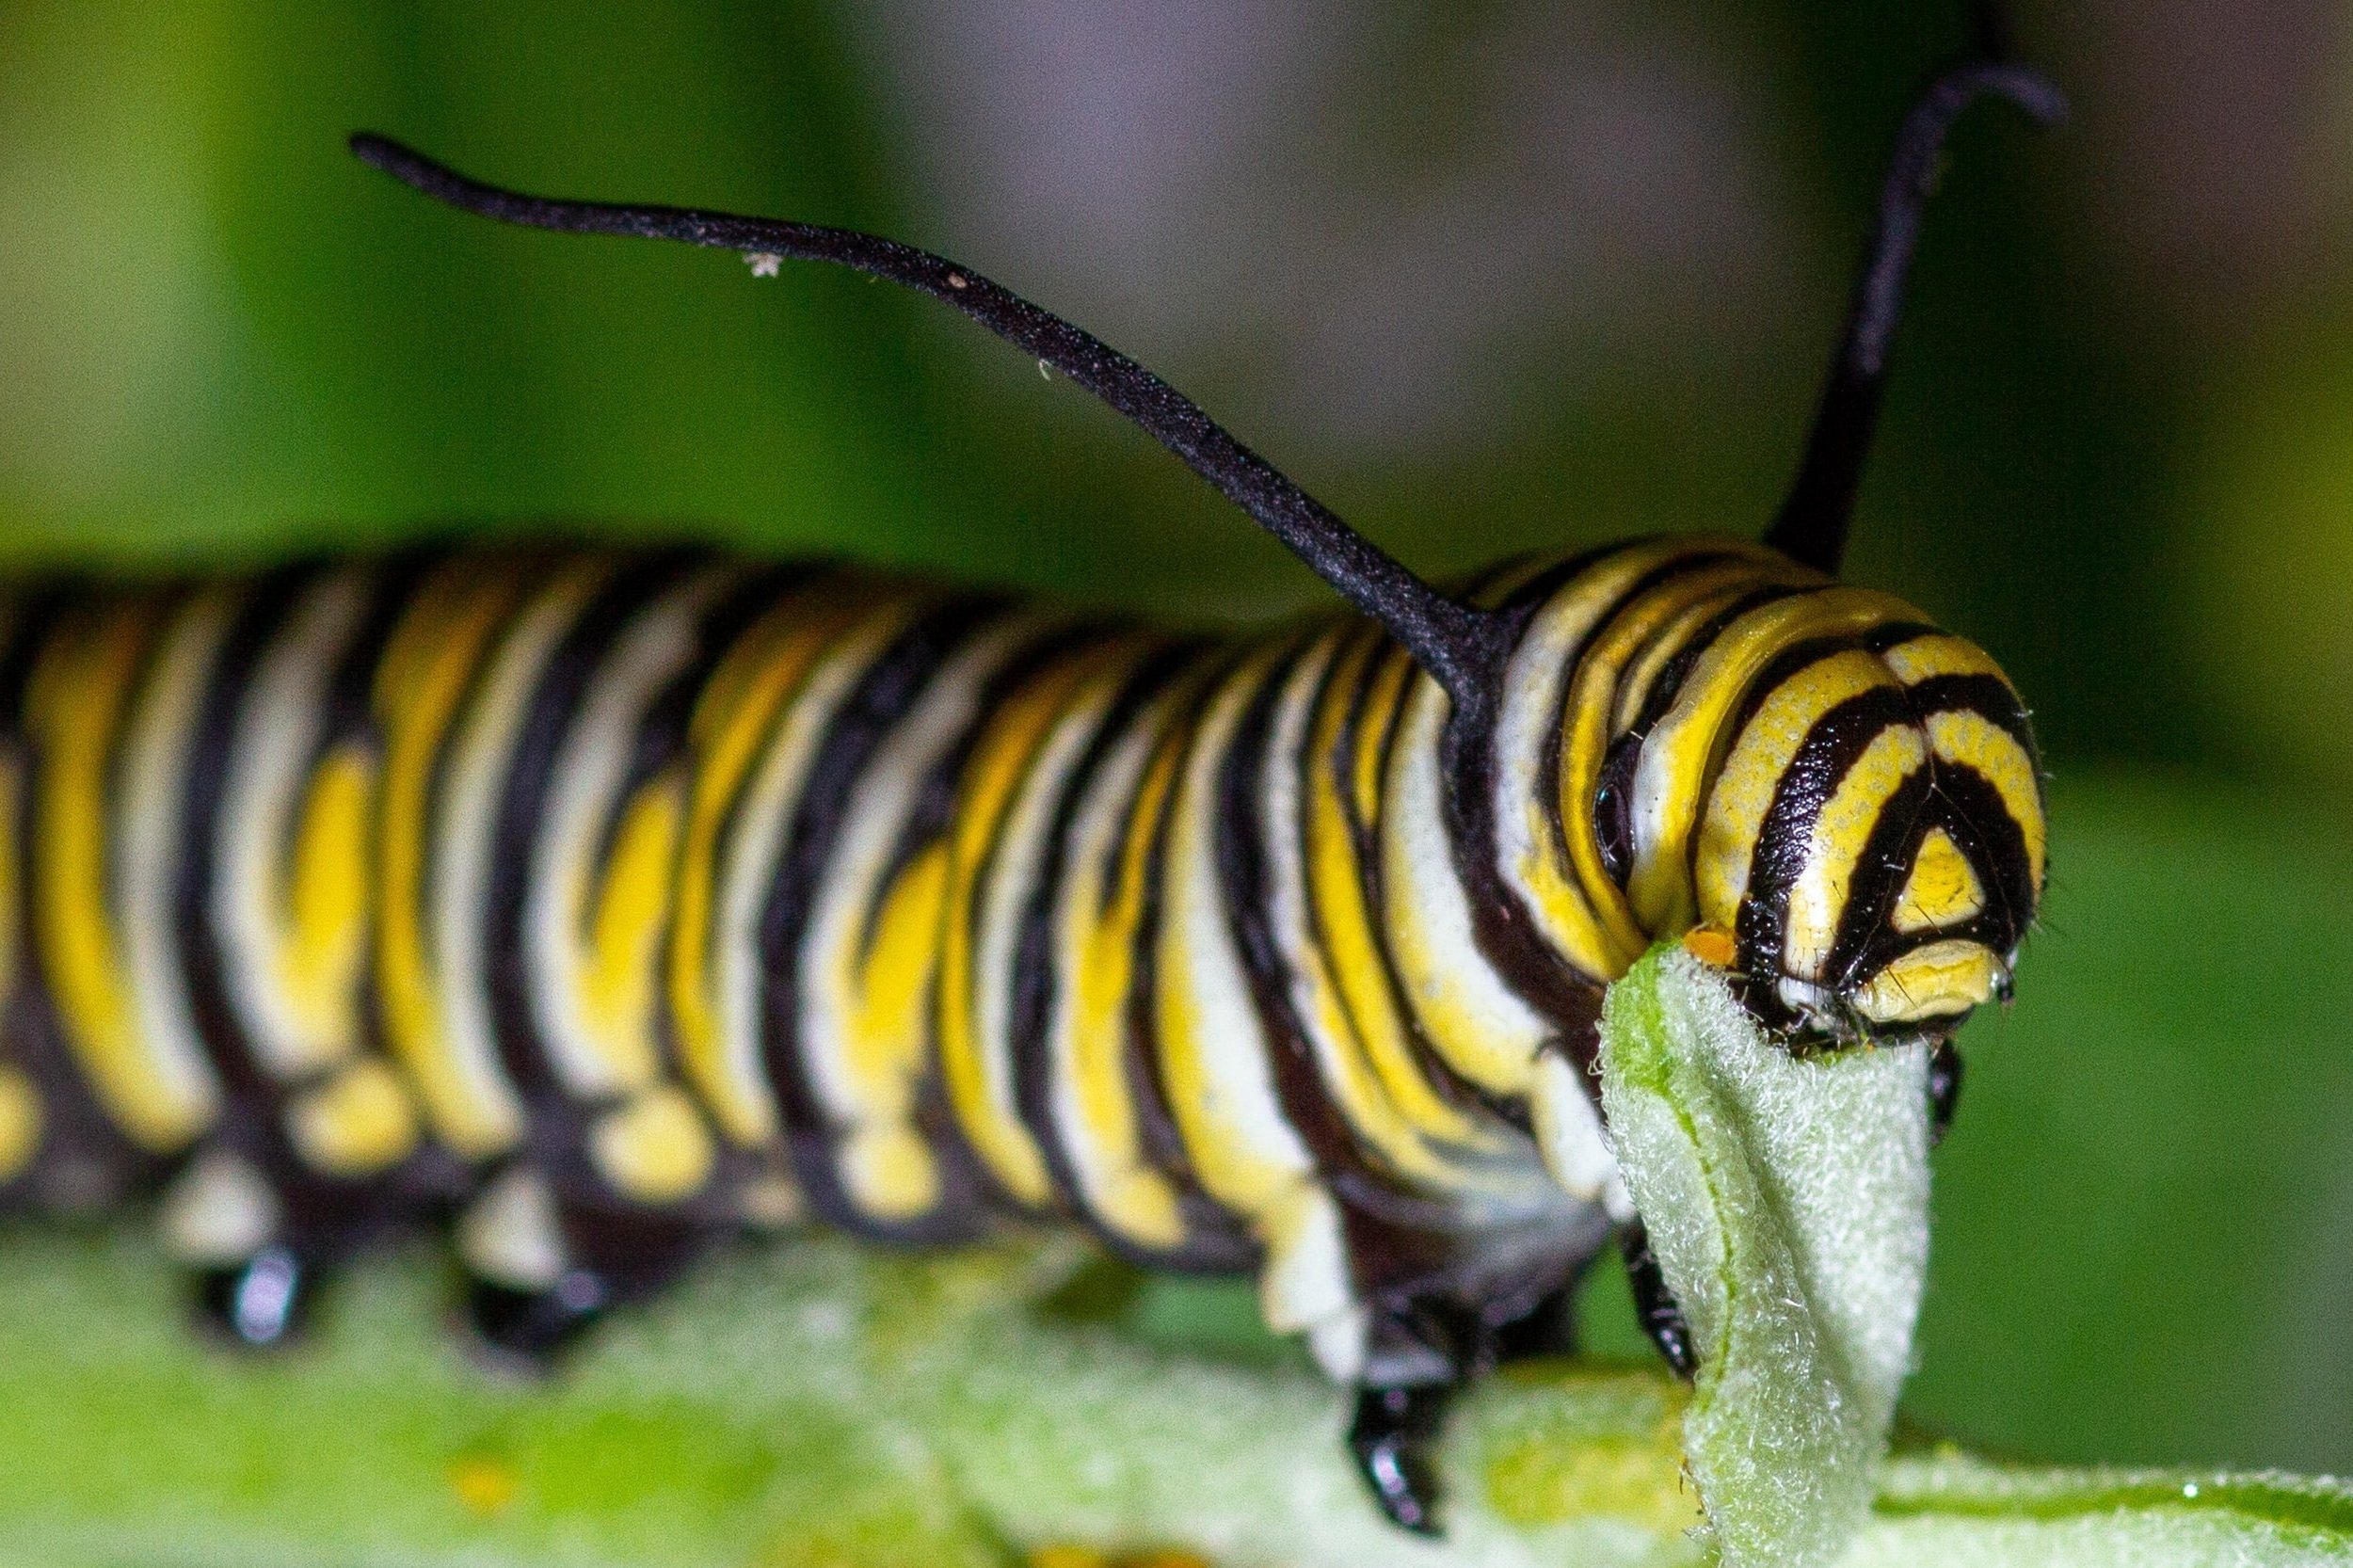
(1454, 642)
(1812, 525)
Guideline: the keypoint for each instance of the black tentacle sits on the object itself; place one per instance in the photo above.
(1812, 525)
(1455, 643)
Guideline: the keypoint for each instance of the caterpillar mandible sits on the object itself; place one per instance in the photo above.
(610, 904)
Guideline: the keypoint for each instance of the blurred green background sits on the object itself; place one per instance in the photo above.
(1485, 276)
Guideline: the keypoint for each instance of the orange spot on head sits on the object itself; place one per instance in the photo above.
(1711, 945)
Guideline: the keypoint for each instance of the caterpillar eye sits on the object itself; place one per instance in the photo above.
(1613, 807)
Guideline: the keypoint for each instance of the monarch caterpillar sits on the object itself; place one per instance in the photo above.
(612, 903)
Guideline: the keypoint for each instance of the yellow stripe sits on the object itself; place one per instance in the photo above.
(1942, 889)
(1589, 937)
(294, 890)
(1649, 630)
(444, 636)
(624, 917)
(1935, 653)
(1682, 750)
(11, 867)
(1481, 1027)
(77, 702)
(870, 947)
(21, 1111)
(318, 962)
(887, 999)
(1380, 712)
(359, 1121)
(1708, 595)
(1250, 1166)
(1972, 740)
(736, 712)
(21, 1121)
(654, 1148)
(976, 1069)
(1840, 835)
(1374, 1077)
(1934, 980)
(1095, 980)
(1744, 790)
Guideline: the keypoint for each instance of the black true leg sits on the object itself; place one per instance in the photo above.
(531, 1328)
(1654, 1305)
(261, 1304)
(1391, 1436)
(1420, 1355)
(1943, 1089)
(1549, 1329)
(266, 1299)
(612, 1255)
(1416, 1356)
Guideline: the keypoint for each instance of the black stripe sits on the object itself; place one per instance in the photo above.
(666, 727)
(1987, 695)
(550, 712)
(1366, 836)
(1880, 874)
(351, 702)
(324, 1218)
(940, 796)
(1895, 634)
(530, 568)
(1958, 801)
(1978, 818)
(1667, 684)
(1830, 749)
(1398, 1240)
(248, 1085)
(35, 622)
(889, 690)
(1502, 926)
(1213, 1241)
(1506, 931)
(1548, 753)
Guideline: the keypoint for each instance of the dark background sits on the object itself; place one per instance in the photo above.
(1485, 276)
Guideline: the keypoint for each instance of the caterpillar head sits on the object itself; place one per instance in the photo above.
(1872, 850)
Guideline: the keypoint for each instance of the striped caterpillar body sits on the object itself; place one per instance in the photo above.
(632, 899)
(609, 903)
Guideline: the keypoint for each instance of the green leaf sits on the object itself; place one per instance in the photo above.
(1787, 1202)
(821, 1405)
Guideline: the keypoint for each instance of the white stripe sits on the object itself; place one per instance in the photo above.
(150, 818)
(280, 720)
(1484, 1028)
(747, 868)
(590, 770)
(882, 799)
(1088, 876)
(1012, 877)
(464, 844)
